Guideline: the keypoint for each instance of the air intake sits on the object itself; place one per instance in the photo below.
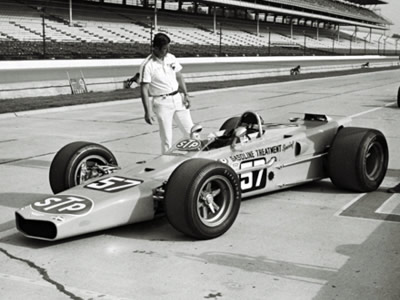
(35, 228)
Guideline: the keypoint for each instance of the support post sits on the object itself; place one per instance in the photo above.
(215, 20)
(44, 31)
(258, 24)
(220, 39)
(70, 12)
(155, 16)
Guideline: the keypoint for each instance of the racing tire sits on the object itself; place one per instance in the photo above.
(230, 125)
(398, 98)
(358, 159)
(67, 163)
(202, 198)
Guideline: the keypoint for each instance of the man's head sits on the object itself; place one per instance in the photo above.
(161, 45)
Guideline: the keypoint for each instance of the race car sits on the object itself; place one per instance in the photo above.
(199, 183)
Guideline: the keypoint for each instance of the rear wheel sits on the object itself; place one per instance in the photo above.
(358, 159)
(202, 198)
(77, 162)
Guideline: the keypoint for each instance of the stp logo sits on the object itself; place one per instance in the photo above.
(64, 204)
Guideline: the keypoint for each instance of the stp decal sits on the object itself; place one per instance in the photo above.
(113, 184)
(189, 145)
(64, 204)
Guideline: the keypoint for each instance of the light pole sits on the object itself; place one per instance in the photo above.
(70, 12)
(155, 16)
(258, 24)
(384, 44)
(220, 38)
(269, 41)
(379, 43)
(151, 33)
(351, 41)
(365, 47)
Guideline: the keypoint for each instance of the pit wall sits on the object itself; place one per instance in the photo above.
(50, 87)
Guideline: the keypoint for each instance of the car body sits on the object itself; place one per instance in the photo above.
(200, 182)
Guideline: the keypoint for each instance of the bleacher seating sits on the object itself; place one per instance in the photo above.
(336, 7)
(114, 31)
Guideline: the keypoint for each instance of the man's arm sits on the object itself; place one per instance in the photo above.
(145, 95)
(183, 89)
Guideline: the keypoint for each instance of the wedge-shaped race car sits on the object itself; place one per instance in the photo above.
(200, 182)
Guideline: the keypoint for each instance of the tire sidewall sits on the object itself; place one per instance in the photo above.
(193, 194)
(370, 138)
(347, 159)
(182, 191)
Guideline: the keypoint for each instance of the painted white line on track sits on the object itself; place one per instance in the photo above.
(389, 206)
(372, 110)
(338, 213)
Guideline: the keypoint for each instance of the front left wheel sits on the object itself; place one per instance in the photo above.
(202, 198)
(77, 162)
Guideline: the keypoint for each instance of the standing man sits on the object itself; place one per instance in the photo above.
(161, 80)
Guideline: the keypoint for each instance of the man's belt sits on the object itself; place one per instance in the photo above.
(170, 94)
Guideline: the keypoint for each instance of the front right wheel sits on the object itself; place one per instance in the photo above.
(76, 163)
(358, 159)
(202, 198)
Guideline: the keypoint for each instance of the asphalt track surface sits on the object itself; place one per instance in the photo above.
(310, 242)
(12, 76)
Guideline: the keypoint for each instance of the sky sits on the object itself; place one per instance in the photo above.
(391, 11)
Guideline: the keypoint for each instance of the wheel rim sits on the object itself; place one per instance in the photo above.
(86, 169)
(215, 201)
(374, 160)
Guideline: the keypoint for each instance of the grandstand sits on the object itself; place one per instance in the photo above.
(124, 28)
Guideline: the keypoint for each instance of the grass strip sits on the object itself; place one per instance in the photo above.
(34, 103)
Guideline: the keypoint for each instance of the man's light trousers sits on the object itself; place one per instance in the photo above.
(169, 109)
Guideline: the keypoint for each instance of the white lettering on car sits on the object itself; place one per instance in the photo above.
(113, 184)
(64, 204)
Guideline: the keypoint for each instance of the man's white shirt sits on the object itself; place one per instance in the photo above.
(160, 74)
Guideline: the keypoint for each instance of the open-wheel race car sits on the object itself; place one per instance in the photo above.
(199, 183)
